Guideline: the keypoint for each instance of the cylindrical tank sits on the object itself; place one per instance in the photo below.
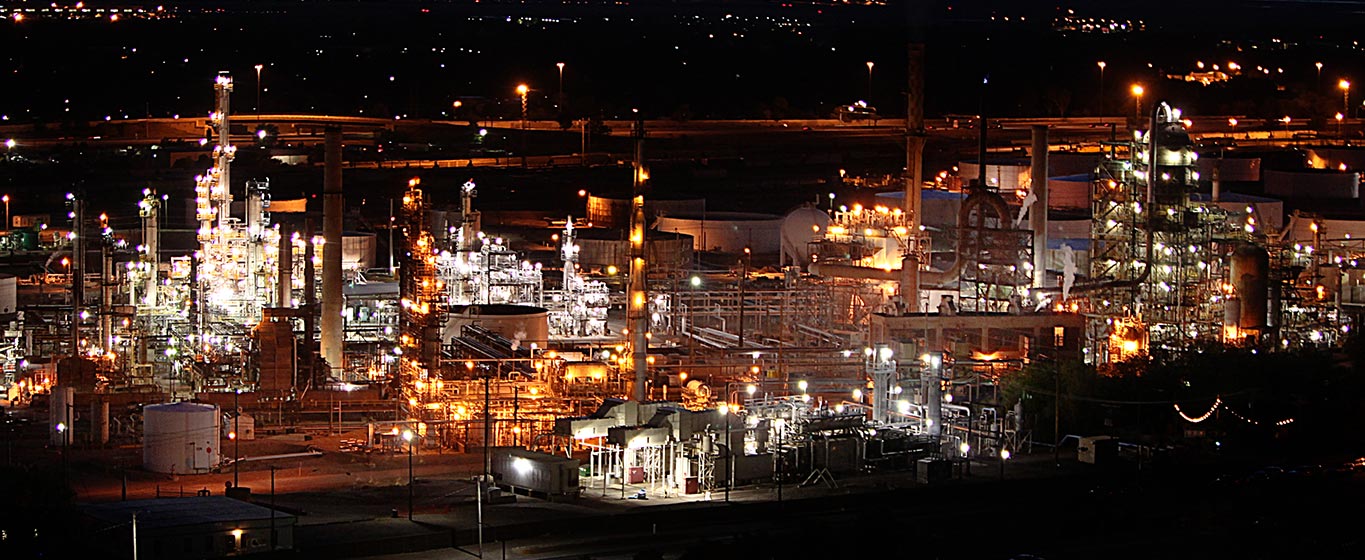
(610, 212)
(517, 322)
(180, 438)
(1249, 280)
(727, 232)
(357, 250)
(601, 248)
(61, 415)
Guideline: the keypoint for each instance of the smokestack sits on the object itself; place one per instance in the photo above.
(637, 307)
(284, 288)
(1038, 214)
(914, 135)
(914, 155)
(331, 252)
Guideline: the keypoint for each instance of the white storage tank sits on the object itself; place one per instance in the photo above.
(9, 293)
(357, 250)
(62, 416)
(180, 438)
(727, 232)
(526, 323)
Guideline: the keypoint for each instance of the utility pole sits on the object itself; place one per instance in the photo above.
(1057, 415)
(236, 435)
(272, 507)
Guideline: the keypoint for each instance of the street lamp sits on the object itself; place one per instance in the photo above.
(1137, 90)
(1345, 86)
(6, 199)
(259, 67)
(1319, 66)
(1101, 64)
(1340, 117)
(869, 80)
(1004, 456)
(560, 65)
(522, 90)
(235, 435)
(407, 437)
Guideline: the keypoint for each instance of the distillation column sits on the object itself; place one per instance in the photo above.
(331, 252)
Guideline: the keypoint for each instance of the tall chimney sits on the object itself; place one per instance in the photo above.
(914, 157)
(637, 308)
(331, 252)
(1038, 214)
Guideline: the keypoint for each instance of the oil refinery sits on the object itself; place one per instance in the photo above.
(647, 343)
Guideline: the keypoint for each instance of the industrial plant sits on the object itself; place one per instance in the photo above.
(650, 346)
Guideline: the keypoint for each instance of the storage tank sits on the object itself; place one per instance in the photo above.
(61, 414)
(517, 322)
(1231, 170)
(1004, 174)
(357, 250)
(1312, 183)
(614, 212)
(180, 438)
(9, 293)
(727, 232)
(599, 248)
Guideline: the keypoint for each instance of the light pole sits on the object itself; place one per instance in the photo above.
(235, 436)
(1340, 117)
(1004, 456)
(729, 454)
(869, 81)
(522, 90)
(1137, 90)
(6, 199)
(1345, 86)
(259, 67)
(1319, 66)
(1101, 64)
(560, 65)
(407, 437)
